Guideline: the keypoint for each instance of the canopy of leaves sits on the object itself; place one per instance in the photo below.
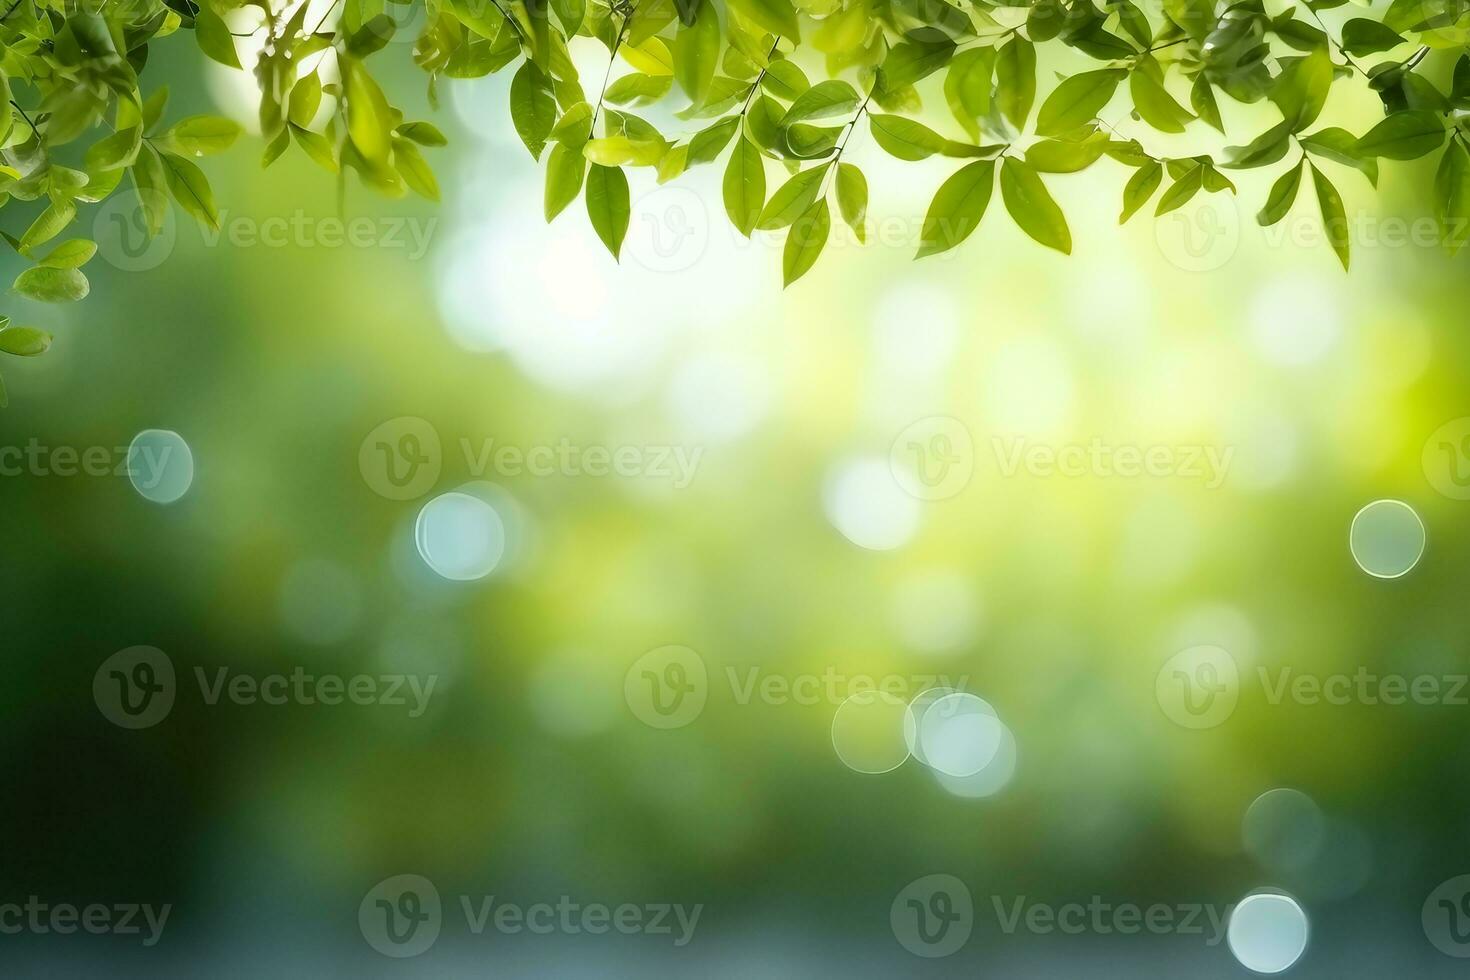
(770, 90)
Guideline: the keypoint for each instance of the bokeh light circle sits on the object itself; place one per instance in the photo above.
(1283, 829)
(864, 503)
(914, 715)
(989, 781)
(960, 735)
(160, 465)
(868, 732)
(459, 536)
(1267, 932)
(1387, 538)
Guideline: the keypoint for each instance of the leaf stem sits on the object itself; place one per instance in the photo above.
(323, 19)
(755, 85)
(847, 135)
(607, 75)
(514, 25)
(24, 116)
(1170, 44)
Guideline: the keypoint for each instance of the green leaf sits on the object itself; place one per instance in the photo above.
(792, 199)
(1157, 107)
(1403, 136)
(673, 163)
(822, 101)
(1140, 188)
(1452, 196)
(190, 188)
(709, 142)
(1340, 146)
(150, 182)
(1077, 101)
(372, 36)
(316, 146)
(773, 16)
(153, 107)
(24, 341)
(852, 199)
(1202, 99)
(805, 242)
(651, 56)
(565, 168)
(52, 285)
(1015, 74)
(785, 80)
(910, 61)
(574, 127)
(957, 208)
(1283, 194)
(1362, 35)
(967, 87)
(1032, 207)
(306, 99)
(71, 254)
(1196, 17)
(904, 138)
(744, 186)
(638, 89)
(619, 151)
(1182, 191)
(532, 107)
(1334, 215)
(118, 150)
(213, 36)
(1262, 151)
(608, 205)
(198, 135)
(571, 13)
(415, 170)
(427, 134)
(1066, 156)
(1133, 20)
(1302, 89)
(369, 119)
(48, 224)
(697, 53)
(277, 146)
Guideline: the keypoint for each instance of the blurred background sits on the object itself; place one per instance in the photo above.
(341, 510)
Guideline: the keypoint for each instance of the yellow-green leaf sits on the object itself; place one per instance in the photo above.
(1032, 206)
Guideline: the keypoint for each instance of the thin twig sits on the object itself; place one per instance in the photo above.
(324, 16)
(842, 143)
(755, 85)
(23, 115)
(607, 75)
